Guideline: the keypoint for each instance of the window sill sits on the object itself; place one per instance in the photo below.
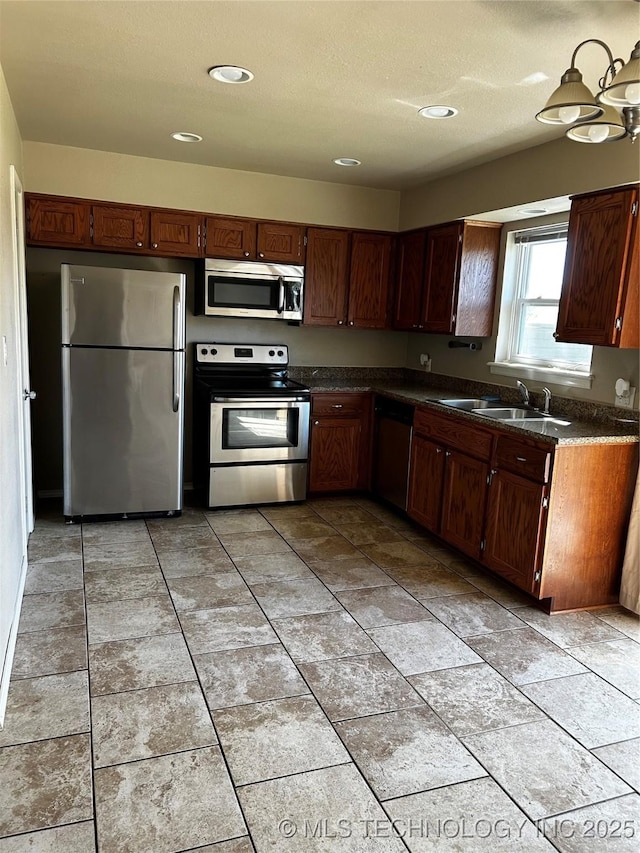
(554, 375)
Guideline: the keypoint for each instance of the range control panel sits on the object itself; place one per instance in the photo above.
(267, 354)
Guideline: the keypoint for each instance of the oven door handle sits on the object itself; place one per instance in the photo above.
(281, 295)
(249, 401)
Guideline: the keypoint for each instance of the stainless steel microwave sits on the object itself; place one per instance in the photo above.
(247, 289)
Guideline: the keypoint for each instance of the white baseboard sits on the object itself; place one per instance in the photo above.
(11, 646)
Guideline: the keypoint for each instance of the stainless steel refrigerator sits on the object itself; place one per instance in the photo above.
(123, 390)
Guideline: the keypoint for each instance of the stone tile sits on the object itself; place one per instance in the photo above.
(253, 674)
(168, 803)
(524, 656)
(130, 618)
(467, 615)
(226, 628)
(474, 699)
(272, 567)
(624, 759)
(203, 592)
(247, 522)
(46, 707)
(55, 549)
(572, 779)
(102, 533)
(356, 573)
(188, 518)
(505, 594)
(355, 686)
(73, 838)
(381, 744)
(430, 580)
(45, 784)
(383, 605)
(331, 795)
(368, 533)
(48, 652)
(616, 661)
(304, 510)
(569, 629)
(322, 636)
(464, 568)
(422, 647)
(302, 528)
(120, 584)
(55, 576)
(324, 548)
(296, 597)
(600, 827)
(119, 555)
(143, 662)
(622, 620)
(183, 538)
(262, 542)
(195, 561)
(588, 708)
(51, 610)
(389, 516)
(345, 514)
(150, 722)
(471, 817)
(277, 738)
(236, 845)
(394, 554)
(54, 527)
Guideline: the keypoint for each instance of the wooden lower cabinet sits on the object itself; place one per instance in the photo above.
(426, 473)
(340, 442)
(463, 501)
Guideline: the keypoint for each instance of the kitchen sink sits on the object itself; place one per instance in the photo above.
(470, 405)
(516, 414)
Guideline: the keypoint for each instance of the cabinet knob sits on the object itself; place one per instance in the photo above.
(261, 254)
(246, 254)
(438, 450)
(315, 423)
(340, 322)
(556, 335)
(421, 326)
(351, 322)
(448, 453)
(415, 326)
(154, 245)
(139, 244)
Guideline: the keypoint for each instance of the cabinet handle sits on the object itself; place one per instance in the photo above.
(336, 405)
(154, 245)
(315, 423)
(246, 254)
(556, 335)
(447, 453)
(414, 326)
(261, 254)
(340, 322)
(438, 450)
(421, 326)
(139, 244)
(351, 322)
(521, 459)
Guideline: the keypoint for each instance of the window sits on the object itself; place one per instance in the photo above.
(534, 267)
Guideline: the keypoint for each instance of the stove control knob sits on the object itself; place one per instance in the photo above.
(204, 351)
(280, 353)
(214, 352)
(272, 352)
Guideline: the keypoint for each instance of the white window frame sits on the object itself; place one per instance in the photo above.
(507, 362)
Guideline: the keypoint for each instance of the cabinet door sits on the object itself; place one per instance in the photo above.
(442, 268)
(409, 280)
(426, 473)
(463, 502)
(57, 222)
(600, 245)
(515, 528)
(175, 234)
(334, 456)
(369, 280)
(325, 280)
(116, 227)
(280, 242)
(230, 238)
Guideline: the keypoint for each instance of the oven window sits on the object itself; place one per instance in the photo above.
(248, 427)
(242, 293)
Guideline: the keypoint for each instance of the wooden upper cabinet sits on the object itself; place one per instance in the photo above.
(53, 221)
(460, 278)
(280, 242)
(409, 279)
(118, 227)
(326, 277)
(369, 280)
(599, 301)
(230, 238)
(175, 233)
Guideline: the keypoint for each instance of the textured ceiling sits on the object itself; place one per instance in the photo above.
(332, 79)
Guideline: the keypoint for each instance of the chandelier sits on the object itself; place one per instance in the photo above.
(614, 113)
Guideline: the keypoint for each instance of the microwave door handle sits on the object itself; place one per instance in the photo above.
(281, 295)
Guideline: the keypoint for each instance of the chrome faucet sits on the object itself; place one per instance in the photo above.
(547, 400)
(524, 392)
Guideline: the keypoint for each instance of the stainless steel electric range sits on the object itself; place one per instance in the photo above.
(250, 425)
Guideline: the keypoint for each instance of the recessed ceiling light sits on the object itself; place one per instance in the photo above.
(533, 211)
(438, 111)
(230, 74)
(347, 161)
(184, 136)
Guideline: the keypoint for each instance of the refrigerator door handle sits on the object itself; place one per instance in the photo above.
(176, 380)
(178, 328)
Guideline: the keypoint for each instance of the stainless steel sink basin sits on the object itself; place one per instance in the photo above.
(470, 405)
(517, 414)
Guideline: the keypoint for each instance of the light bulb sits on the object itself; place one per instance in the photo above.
(569, 114)
(632, 93)
(598, 132)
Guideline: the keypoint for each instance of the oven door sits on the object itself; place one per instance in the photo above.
(259, 430)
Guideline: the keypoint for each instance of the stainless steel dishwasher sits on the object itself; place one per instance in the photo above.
(394, 426)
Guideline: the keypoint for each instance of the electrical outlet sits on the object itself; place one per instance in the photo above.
(625, 401)
(425, 361)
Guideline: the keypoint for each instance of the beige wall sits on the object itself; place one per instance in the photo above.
(81, 172)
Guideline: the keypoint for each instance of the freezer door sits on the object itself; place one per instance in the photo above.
(122, 308)
(123, 430)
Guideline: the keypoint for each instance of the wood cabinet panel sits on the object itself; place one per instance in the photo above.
(599, 299)
(175, 233)
(524, 457)
(230, 238)
(326, 277)
(476, 292)
(369, 280)
(334, 455)
(453, 432)
(343, 405)
(426, 473)
(118, 227)
(409, 280)
(281, 242)
(441, 278)
(57, 222)
(463, 501)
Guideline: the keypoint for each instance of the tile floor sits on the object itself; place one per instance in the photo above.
(304, 678)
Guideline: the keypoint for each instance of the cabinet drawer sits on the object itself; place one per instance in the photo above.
(453, 433)
(345, 405)
(522, 457)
